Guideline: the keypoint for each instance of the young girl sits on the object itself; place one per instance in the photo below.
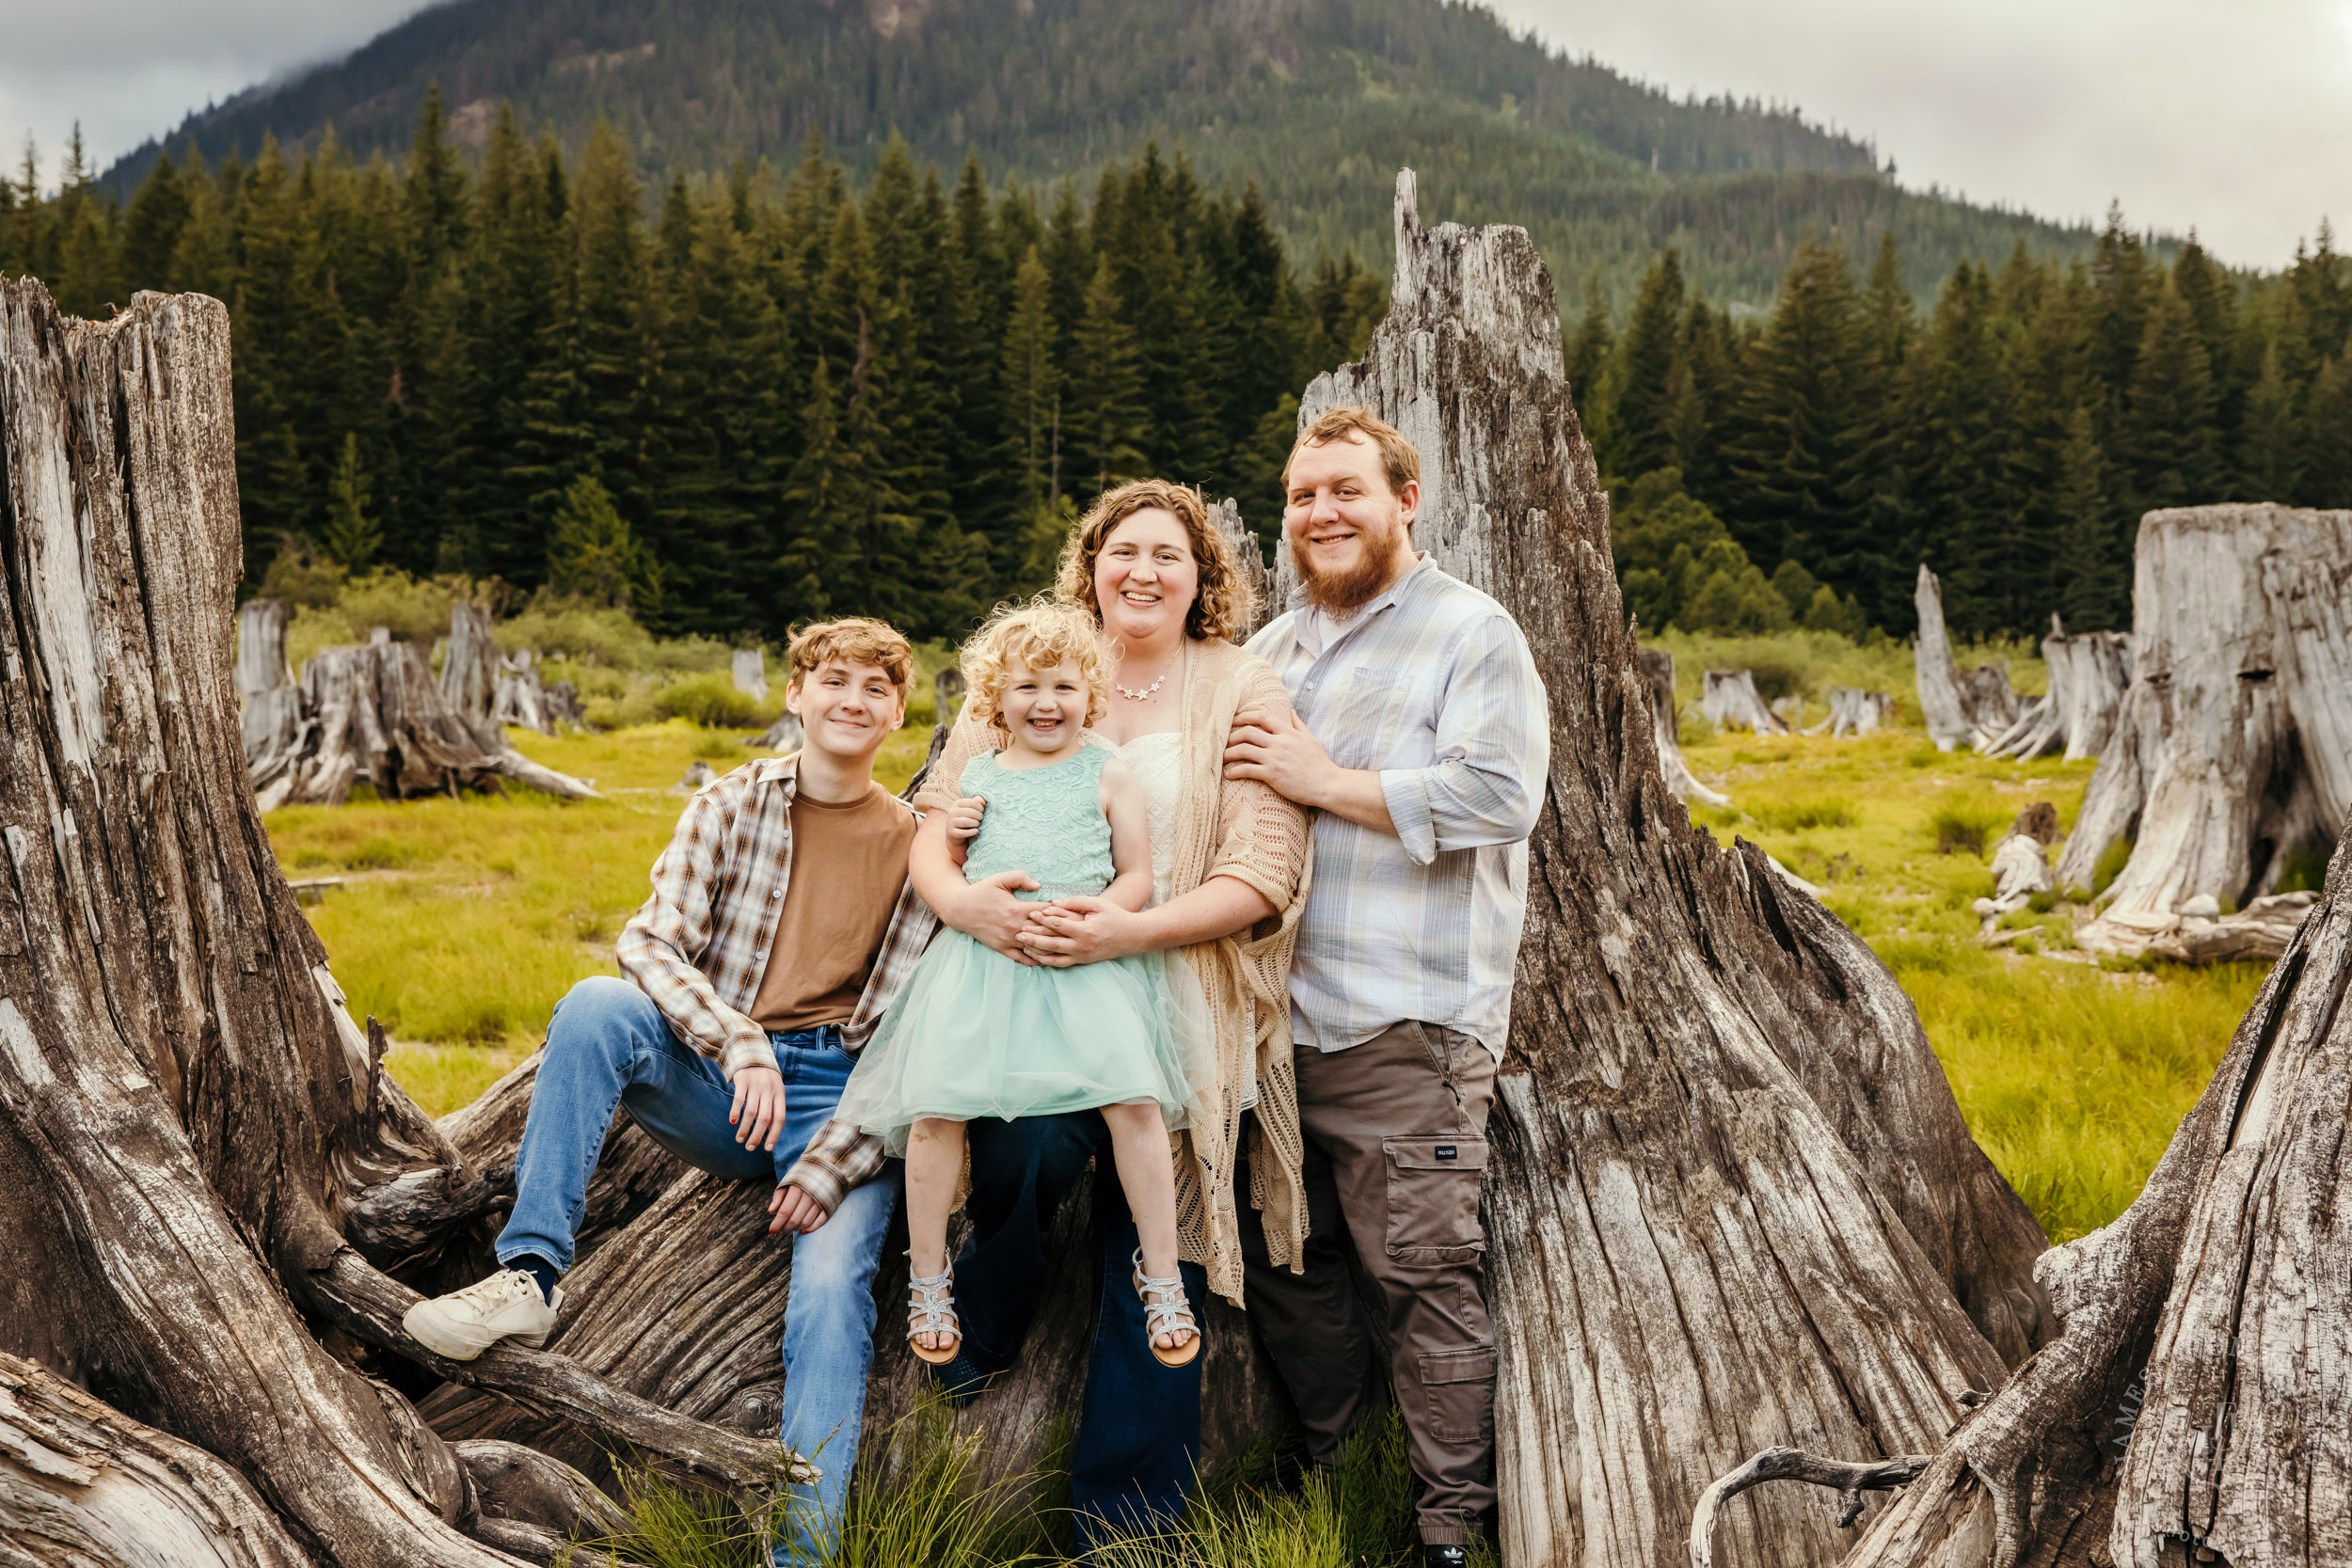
(977, 1033)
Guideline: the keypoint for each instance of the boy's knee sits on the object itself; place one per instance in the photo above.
(601, 1007)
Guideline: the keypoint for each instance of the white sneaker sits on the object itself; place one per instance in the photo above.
(463, 1323)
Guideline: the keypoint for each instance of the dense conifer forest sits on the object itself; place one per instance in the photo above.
(735, 402)
(1317, 102)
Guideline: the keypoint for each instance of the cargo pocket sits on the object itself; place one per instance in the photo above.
(1459, 1385)
(1433, 1197)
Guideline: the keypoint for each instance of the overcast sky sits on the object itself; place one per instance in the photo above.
(2231, 115)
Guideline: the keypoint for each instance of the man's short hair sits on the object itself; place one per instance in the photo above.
(1400, 460)
(854, 640)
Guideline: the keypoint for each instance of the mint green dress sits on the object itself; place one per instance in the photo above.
(975, 1033)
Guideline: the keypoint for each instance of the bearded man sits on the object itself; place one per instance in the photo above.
(1422, 739)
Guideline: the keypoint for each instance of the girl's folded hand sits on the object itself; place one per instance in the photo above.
(963, 817)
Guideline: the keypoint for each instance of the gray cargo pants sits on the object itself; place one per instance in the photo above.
(1396, 1142)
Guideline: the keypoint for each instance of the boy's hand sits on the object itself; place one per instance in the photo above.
(963, 817)
(795, 1211)
(757, 1114)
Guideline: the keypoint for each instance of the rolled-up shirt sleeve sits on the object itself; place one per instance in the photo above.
(1492, 752)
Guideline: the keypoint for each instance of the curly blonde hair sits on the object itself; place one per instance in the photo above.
(1034, 636)
(1226, 599)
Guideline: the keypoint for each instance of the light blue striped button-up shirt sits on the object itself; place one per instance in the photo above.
(1431, 685)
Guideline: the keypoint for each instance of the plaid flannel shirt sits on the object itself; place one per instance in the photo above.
(699, 945)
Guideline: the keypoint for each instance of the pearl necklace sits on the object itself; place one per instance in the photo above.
(1146, 694)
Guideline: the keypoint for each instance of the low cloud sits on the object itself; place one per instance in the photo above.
(2231, 119)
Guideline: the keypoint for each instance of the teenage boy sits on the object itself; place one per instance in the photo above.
(1439, 737)
(781, 927)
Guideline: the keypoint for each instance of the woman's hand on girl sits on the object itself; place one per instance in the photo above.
(1085, 930)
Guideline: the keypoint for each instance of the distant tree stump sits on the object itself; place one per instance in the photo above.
(2088, 675)
(270, 706)
(750, 670)
(1731, 701)
(520, 700)
(1658, 673)
(1251, 556)
(1969, 708)
(469, 666)
(1854, 712)
(2233, 750)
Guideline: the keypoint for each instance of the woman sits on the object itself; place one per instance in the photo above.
(1229, 878)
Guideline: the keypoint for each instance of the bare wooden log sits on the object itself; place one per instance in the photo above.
(1658, 674)
(750, 672)
(1731, 701)
(2233, 752)
(1716, 1096)
(1850, 1480)
(2210, 1325)
(519, 1485)
(82, 1483)
(520, 700)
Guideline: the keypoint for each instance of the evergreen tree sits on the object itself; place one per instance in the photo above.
(1104, 413)
(1587, 361)
(1642, 392)
(349, 535)
(2168, 437)
(591, 554)
(1800, 431)
(2088, 536)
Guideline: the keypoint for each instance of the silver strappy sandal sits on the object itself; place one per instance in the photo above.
(1170, 1314)
(931, 1309)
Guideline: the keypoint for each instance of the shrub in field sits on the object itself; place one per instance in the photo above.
(1821, 811)
(1967, 822)
(709, 700)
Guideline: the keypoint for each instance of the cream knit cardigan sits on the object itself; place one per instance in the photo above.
(1228, 828)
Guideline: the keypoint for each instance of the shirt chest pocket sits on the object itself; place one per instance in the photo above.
(1371, 715)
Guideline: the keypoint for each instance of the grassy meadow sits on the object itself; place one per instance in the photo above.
(460, 923)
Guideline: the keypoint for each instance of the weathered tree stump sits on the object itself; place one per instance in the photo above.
(520, 701)
(1732, 1203)
(373, 715)
(1731, 701)
(2233, 751)
(189, 1120)
(1969, 706)
(1251, 556)
(2088, 677)
(2193, 1408)
(270, 706)
(750, 670)
(1658, 674)
(1854, 712)
(561, 705)
(469, 664)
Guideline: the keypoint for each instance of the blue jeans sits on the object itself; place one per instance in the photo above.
(609, 1047)
(1138, 1441)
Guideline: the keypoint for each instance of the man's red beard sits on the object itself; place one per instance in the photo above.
(1344, 593)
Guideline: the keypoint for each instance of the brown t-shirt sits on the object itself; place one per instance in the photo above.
(848, 863)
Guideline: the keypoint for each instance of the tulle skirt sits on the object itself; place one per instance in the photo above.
(977, 1035)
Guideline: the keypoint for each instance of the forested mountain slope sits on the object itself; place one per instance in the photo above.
(1318, 101)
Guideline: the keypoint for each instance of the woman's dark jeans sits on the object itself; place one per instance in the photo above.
(1138, 1441)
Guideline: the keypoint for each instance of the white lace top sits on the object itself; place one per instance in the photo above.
(1157, 762)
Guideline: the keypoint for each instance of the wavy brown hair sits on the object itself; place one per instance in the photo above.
(1226, 599)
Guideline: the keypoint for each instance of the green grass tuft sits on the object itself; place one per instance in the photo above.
(711, 699)
(2110, 866)
(1970, 822)
(1790, 817)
